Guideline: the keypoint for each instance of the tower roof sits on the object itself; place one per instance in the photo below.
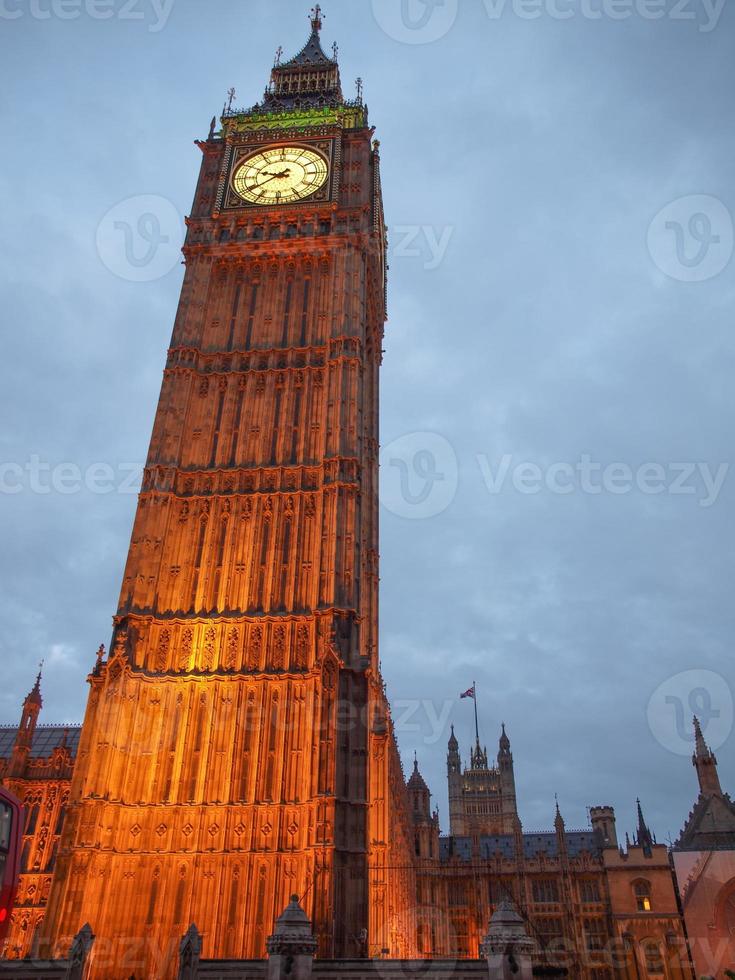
(453, 744)
(417, 781)
(711, 823)
(310, 78)
(312, 54)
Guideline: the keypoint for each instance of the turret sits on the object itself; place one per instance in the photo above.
(426, 824)
(454, 780)
(418, 793)
(705, 762)
(24, 737)
(454, 763)
(507, 776)
(603, 823)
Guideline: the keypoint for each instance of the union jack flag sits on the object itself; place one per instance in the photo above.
(469, 693)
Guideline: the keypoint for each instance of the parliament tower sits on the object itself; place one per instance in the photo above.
(237, 746)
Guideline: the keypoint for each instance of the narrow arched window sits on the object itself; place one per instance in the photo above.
(642, 892)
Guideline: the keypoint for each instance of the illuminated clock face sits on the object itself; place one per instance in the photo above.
(280, 175)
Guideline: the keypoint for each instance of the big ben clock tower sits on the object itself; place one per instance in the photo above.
(237, 747)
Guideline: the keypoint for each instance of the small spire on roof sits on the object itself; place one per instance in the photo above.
(558, 819)
(705, 762)
(699, 742)
(644, 838)
(316, 19)
(279, 55)
(35, 693)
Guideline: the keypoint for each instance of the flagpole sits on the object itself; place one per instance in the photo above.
(474, 698)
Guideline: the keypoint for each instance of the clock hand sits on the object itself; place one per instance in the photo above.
(283, 173)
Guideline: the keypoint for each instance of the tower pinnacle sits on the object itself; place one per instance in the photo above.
(705, 762)
(316, 19)
(34, 695)
(644, 839)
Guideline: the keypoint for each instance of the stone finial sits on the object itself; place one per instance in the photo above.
(81, 946)
(292, 945)
(507, 947)
(190, 949)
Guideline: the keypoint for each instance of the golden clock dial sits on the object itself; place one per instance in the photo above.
(280, 175)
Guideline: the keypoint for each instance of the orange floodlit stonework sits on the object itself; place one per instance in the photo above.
(236, 781)
(237, 745)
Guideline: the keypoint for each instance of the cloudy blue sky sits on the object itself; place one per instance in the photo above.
(557, 399)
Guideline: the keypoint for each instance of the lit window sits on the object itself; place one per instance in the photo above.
(642, 891)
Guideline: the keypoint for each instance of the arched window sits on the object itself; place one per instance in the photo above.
(726, 908)
(642, 892)
(652, 957)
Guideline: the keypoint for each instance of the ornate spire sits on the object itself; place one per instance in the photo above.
(452, 744)
(478, 757)
(559, 824)
(34, 695)
(504, 743)
(644, 838)
(705, 762)
(316, 19)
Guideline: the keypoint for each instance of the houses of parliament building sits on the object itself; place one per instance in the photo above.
(214, 782)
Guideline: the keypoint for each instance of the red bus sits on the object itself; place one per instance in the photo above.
(11, 839)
